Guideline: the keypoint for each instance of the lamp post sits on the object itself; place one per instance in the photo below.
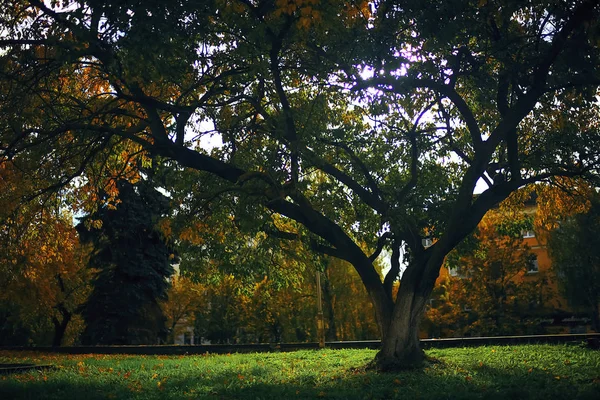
(320, 322)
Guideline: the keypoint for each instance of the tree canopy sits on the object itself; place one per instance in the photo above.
(368, 125)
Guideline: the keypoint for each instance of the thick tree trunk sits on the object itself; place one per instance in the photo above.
(400, 347)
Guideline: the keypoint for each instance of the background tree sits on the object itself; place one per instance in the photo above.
(185, 299)
(575, 251)
(321, 108)
(46, 284)
(223, 317)
(348, 312)
(446, 315)
(489, 285)
(42, 267)
(133, 263)
(555, 203)
(495, 288)
(238, 311)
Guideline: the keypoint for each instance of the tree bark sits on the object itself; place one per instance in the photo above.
(171, 337)
(400, 346)
(596, 317)
(331, 333)
(60, 327)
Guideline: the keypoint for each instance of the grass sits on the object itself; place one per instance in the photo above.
(500, 372)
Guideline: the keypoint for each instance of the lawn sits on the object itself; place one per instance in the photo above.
(499, 372)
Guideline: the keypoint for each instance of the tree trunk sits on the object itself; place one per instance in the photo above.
(400, 347)
(596, 317)
(331, 333)
(381, 300)
(171, 337)
(60, 327)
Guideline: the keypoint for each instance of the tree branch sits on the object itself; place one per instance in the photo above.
(380, 244)
(394, 272)
(281, 234)
(290, 125)
(361, 165)
(414, 156)
(403, 83)
(328, 250)
(369, 198)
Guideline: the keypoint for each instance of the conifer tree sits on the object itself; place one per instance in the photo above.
(133, 261)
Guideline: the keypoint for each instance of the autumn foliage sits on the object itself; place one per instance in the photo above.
(43, 268)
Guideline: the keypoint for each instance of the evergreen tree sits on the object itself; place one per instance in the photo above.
(133, 263)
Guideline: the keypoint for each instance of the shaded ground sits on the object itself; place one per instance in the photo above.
(501, 372)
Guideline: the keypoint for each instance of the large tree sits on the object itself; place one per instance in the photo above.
(363, 123)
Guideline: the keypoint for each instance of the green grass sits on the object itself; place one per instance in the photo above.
(500, 372)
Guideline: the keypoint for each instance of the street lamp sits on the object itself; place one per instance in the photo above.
(320, 321)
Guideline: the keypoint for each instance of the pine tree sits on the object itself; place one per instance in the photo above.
(133, 261)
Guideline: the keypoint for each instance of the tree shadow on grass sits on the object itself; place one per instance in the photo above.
(439, 381)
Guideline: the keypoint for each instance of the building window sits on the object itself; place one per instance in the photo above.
(528, 234)
(533, 266)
